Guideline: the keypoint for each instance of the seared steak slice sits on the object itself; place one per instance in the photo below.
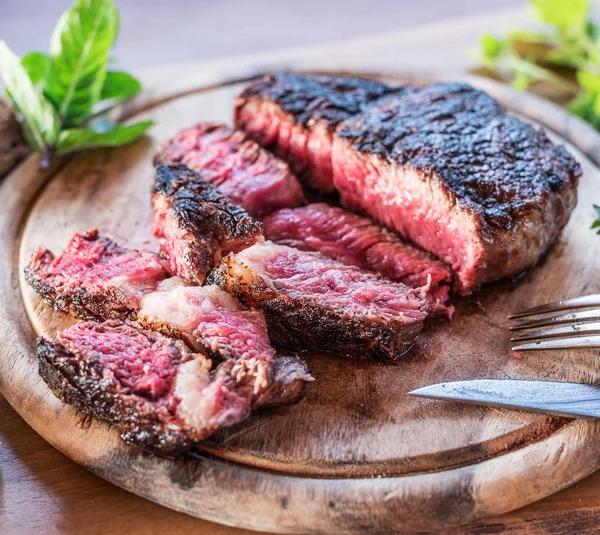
(212, 322)
(159, 394)
(445, 167)
(312, 302)
(358, 241)
(250, 176)
(94, 278)
(294, 116)
(197, 224)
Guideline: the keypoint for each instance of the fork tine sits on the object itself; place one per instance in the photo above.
(573, 317)
(560, 331)
(574, 302)
(577, 342)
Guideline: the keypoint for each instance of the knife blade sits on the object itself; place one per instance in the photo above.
(546, 397)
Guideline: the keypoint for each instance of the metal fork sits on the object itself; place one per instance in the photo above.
(568, 324)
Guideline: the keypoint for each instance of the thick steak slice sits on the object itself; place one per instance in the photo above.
(358, 241)
(294, 116)
(312, 302)
(213, 322)
(159, 394)
(250, 176)
(94, 278)
(196, 224)
(445, 167)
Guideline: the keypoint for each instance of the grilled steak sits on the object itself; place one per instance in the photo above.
(250, 176)
(196, 224)
(214, 323)
(159, 394)
(358, 241)
(442, 164)
(94, 278)
(313, 302)
(294, 116)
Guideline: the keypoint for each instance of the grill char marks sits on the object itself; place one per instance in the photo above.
(250, 176)
(197, 224)
(311, 302)
(294, 116)
(358, 241)
(129, 377)
(94, 278)
(444, 166)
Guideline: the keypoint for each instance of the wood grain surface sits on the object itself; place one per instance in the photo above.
(62, 497)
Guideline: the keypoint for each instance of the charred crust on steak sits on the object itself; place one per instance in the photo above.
(303, 324)
(207, 220)
(330, 99)
(493, 164)
(82, 386)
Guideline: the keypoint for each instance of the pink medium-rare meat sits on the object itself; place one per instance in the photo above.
(94, 278)
(159, 394)
(251, 177)
(442, 164)
(445, 167)
(213, 322)
(295, 115)
(195, 223)
(315, 303)
(358, 241)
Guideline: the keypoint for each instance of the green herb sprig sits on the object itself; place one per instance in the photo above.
(565, 54)
(55, 95)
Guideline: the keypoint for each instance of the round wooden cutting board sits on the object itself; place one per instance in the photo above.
(357, 454)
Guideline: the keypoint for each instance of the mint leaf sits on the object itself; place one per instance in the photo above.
(564, 14)
(84, 138)
(79, 52)
(39, 117)
(119, 85)
(36, 64)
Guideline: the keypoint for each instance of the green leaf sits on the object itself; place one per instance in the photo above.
(592, 30)
(39, 117)
(564, 14)
(581, 105)
(589, 81)
(119, 85)
(80, 46)
(36, 64)
(521, 81)
(492, 47)
(596, 223)
(85, 138)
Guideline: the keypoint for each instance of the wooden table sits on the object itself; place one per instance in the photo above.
(41, 491)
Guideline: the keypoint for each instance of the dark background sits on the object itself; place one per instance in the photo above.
(163, 32)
